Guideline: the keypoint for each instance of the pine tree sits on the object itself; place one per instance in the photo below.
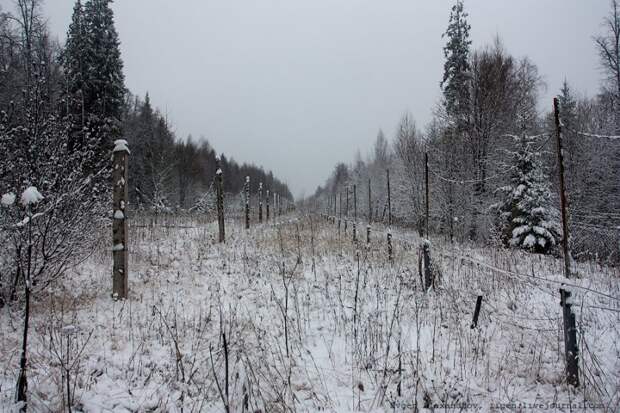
(456, 67)
(526, 220)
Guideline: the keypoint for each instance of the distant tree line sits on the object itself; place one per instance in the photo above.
(492, 153)
(171, 174)
(61, 109)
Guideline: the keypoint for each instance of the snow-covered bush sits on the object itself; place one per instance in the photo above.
(43, 183)
(526, 218)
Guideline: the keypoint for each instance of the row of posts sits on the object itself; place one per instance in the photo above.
(280, 205)
(120, 200)
(120, 232)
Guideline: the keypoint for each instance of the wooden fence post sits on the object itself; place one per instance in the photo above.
(120, 269)
(247, 202)
(267, 206)
(340, 214)
(389, 199)
(389, 234)
(260, 203)
(428, 266)
(354, 213)
(570, 339)
(474, 322)
(563, 199)
(220, 204)
(346, 212)
(369, 213)
(427, 201)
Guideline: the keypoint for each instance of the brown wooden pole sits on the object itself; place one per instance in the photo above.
(369, 213)
(354, 213)
(247, 202)
(389, 198)
(389, 234)
(563, 198)
(220, 204)
(120, 164)
(570, 339)
(340, 214)
(428, 270)
(346, 212)
(427, 198)
(474, 322)
(260, 203)
(369, 202)
(267, 206)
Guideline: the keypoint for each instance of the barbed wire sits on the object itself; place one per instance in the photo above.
(592, 135)
(472, 181)
(516, 274)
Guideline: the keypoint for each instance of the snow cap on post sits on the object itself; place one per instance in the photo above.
(8, 199)
(120, 145)
(31, 196)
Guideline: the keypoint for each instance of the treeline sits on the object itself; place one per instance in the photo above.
(168, 174)
(492, 154)
(77, 90)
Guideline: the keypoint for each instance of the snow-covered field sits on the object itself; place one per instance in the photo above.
(313, 322)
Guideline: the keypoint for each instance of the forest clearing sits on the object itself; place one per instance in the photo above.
(255, 242)
(315, 322)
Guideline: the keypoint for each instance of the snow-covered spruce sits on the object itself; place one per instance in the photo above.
(526, 218)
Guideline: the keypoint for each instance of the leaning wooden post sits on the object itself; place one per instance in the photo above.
(120, 269)
(260, 203)
(389, 234)
(219, 179)
(354, 213)
(369, 213)
(570, 339)
(267, 206)
(427, 193)
(563, 199)
(247, 202)
(474, 322)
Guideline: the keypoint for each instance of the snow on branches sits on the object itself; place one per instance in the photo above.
(526, 218)
(31, 196)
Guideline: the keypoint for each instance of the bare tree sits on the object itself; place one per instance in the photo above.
(608, 46)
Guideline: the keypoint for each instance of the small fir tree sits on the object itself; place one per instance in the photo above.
(525, 216)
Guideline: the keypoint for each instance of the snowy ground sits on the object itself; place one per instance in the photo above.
(314, 323)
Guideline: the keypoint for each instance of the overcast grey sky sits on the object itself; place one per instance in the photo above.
(297, 86)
